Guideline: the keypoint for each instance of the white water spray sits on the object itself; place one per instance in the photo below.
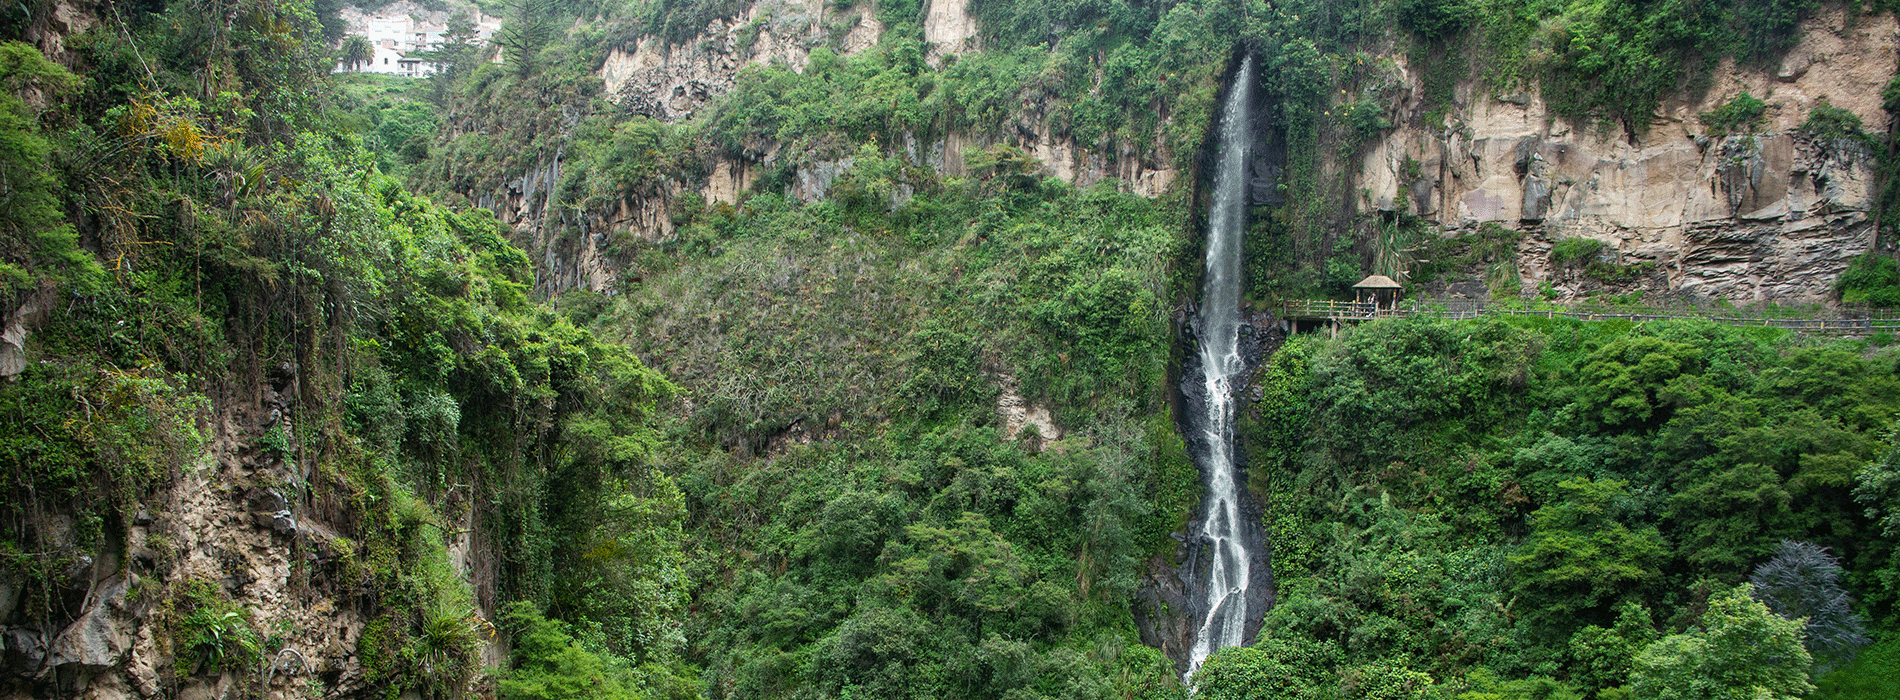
(1221, 529)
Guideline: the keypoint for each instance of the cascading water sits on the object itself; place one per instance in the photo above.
(1223, 537)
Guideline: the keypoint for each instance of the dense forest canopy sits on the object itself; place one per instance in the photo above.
(769, 461)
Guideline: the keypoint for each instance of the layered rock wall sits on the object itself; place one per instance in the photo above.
(1772, 215)
(1768, 216)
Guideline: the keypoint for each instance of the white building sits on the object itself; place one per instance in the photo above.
(402, 29)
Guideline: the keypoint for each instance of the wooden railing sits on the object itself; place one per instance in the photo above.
(1323, 309)
(1343, 310)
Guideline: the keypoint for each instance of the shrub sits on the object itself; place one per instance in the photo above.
(549, 663)
(212, 632)
(1367, 118)
(1575, 251)
(1435, 18)
(1740, 116)
(1828, 122)
(1586, 256)
(1581, 554)
(1740, 651)
(1870, 278)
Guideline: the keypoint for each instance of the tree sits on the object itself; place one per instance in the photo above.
(533, 25)
(1580, 555)
(458, 53)
(1802, 582)
(357, 51)
(1600, 657)
(1291, 667)
(1741, 651)
(1623, 383)
(549, 663)
(1879, 488)
(1728, 516)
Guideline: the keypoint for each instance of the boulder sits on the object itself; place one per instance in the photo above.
(280, 522)
(266, 500)
(24, 650)
(95, 641)
(1536, 192)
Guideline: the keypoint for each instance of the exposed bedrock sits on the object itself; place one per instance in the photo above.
(1767, 216)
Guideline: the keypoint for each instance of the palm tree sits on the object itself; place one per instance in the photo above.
(357, 50)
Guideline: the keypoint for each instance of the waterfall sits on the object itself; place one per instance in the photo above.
(1223, 536)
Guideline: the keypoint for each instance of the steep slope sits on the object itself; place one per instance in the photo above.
(860, 250)
(259, 405)
(834, 357)
(1377, 124)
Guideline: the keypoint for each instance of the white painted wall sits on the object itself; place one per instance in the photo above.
(404, 28)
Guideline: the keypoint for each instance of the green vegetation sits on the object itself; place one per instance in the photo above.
(1534, 507)
(1739, 650)
(1491, 250)
(1617, 61)
(211, 632)
(1593, 259)
(1576, 251)
(550, 664)
(914, 552)
(770, 461)
(392, 114)
(820, 319)
(1875, 673)
(859, 524)
(1871, 278)
(37, 246)
(216, 279)
(1138, 80)
(1827, 122)
(1742, 115)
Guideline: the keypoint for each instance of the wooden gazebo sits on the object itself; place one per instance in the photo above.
(1380, 291)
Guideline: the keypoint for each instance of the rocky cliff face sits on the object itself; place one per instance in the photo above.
(1767, 216)
(237, 521)
(672, 82)
(1770, 216)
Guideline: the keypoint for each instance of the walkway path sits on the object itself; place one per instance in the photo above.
(1342, 311)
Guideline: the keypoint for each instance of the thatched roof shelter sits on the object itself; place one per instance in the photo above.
(1378, 282)
(1378, 290)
